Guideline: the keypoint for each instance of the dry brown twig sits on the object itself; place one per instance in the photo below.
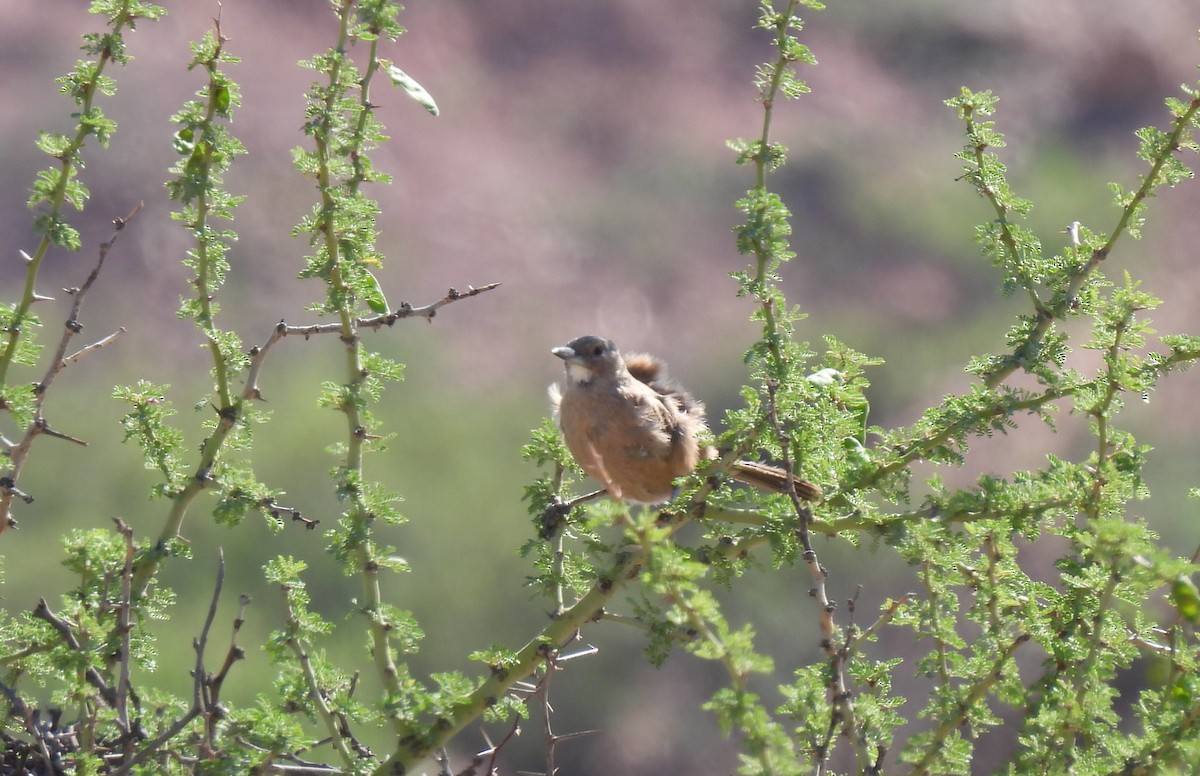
(205, 687)
(258, 353)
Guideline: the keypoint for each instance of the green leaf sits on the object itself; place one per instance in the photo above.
(222, 99)
(1186, 598)
(410, 85)
(373, 295)
(185, 141)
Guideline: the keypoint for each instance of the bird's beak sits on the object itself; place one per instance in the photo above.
(567, 353)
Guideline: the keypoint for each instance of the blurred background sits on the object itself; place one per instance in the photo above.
(580, 160)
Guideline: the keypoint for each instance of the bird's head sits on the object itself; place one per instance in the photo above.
(589, 357)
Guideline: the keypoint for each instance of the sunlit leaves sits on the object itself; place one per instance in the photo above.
(410, 86)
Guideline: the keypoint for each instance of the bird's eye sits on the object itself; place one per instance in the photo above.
(598, 350)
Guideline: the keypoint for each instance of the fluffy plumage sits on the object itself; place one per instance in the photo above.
(629, 427)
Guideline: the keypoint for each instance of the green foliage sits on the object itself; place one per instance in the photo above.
(998, 638)
(963, 543)
(146, 424)
(58, 185)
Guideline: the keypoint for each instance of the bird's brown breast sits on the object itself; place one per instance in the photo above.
(629, 438)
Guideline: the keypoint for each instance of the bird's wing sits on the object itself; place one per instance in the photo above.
(653, 372)
(656, 426)
(670, 428)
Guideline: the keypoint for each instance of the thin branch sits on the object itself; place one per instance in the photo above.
(44, 428)
(125, 626)
(427, 311)
(842, 714)
(10, 489)
(18, 707)
(202, 699)
(329, 719)
(952, 722)
(1150, 182)
(552, 740)
(205, 689)
(855, 643)
(250, 391)
(73, 326)
(154, 745)
(275, 509)
(493, 751)
(561, 630)
(19, 452)
(375, 323)
(42, 612)
(86, 349)
(232, 655)
(490, 754)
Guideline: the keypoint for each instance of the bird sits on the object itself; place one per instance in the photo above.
(632, 429)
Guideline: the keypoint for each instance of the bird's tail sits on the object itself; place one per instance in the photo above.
(773, 479)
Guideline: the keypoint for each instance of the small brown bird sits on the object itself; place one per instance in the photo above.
(635, 432)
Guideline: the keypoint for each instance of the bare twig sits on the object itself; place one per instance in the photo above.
(205, 690)
(155, 744)
(275, 509)
(553, 739)
(78, 354)
(18, 707)
(542, 693)
(72, 325)
(124, 626)
(493, 751)
(201, 689)
(42, 612)
(233, 654)
(18, 453)
(44, 428)
(376, 322)
(10, 489)
(427, 311)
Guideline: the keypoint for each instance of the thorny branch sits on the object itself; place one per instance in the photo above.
(20, 451)
(42, 612)
(125, 625)
(19, 708)
(552, 739)
(86, 349)
(539, 691)
(228, 417)
(205, 687)
(258, 354)
(202, 698)
(843, 713)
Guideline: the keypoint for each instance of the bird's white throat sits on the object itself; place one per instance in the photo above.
(578, 373)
